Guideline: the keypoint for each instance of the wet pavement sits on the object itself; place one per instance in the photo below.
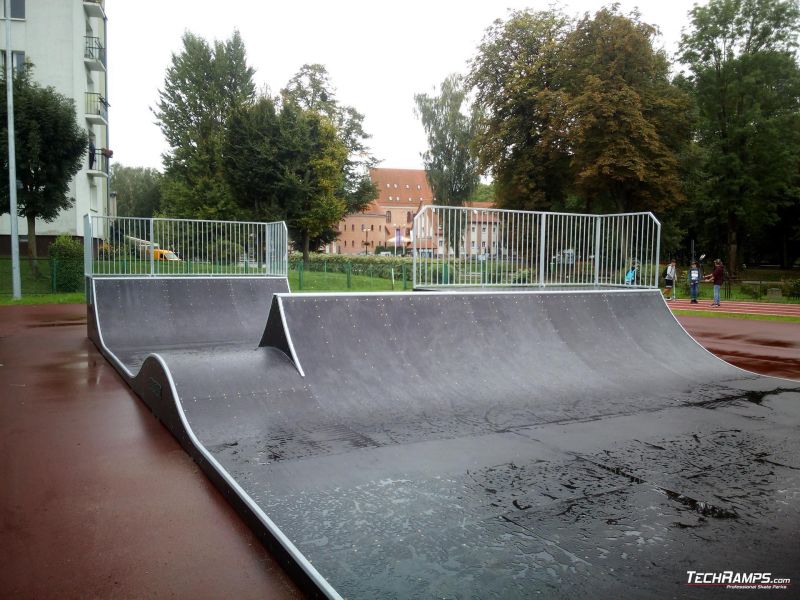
(97, 498)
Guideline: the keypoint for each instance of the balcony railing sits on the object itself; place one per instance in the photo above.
(94, 53)
(94, 8)
(98, 162)
(96, 108)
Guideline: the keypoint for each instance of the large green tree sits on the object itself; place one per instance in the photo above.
(50, 146)
(449, 124)
(311, 89)
(627, 121)
(517, 75)
(312, 158)
(746, 81)
(138, 190)
(579, 115)
(205, 84)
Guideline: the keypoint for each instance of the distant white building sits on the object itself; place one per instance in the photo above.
(66, 42)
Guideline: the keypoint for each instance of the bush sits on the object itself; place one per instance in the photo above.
(751, 291)
(66, 261)
(791, 289)
(376, 266)
(224, 252)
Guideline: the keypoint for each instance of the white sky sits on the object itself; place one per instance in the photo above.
(378, 55)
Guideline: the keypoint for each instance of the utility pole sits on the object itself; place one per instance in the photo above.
(12, 162)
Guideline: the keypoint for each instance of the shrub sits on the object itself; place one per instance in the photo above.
(791, 289)
(750, 290)
(66, 261)
(225, 252)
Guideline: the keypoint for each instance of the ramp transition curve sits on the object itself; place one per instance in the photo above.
(475, 444)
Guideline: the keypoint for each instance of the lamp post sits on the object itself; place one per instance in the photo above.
(12, 162)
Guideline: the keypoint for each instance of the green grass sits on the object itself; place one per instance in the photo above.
(745, 316)
(314, 281)
(66, 298)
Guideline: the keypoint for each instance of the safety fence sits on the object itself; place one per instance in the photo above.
(118, 246)
(459, 246)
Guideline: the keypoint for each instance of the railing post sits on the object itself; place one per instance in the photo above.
(300, 274)
(403, 270)
(152, 250)
(597, 225)
(349, 275)
(87, 245)
(542, 247)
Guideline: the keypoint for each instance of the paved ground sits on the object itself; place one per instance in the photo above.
(97, 499)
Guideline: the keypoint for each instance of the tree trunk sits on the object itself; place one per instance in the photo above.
(733, 225)
(32, 250)
(306, 245)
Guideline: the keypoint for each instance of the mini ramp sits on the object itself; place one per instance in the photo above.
(468, 444)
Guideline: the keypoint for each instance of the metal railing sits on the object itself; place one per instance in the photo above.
(98, 160)
(94, 50)
(458, 246)
(96, 105)
(119, 246)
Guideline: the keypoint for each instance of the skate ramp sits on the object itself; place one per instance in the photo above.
(492, 445)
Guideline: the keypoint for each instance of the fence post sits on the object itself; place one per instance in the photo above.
(300, 274)
(542, 247)
(53, 266)
(597, 225)
(403, 270)
(349, 275)
(152, 250)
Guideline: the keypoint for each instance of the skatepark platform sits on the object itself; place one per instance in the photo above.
(466, 444)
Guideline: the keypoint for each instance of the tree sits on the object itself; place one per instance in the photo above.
(252, 167)
(517, 76)
(627, 122)
(203, 87)
(138, 190)
(311, 89)
(451, 169)
(746, 81)
(50, 146)
(312, 158)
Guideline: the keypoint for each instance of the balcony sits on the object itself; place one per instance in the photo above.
(98, 162)
(94, 8)
(94, 54)
(96, 109)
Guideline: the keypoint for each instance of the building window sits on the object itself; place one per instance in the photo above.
(388, 216)
(407, 186)
(352, 227)
(388, 185)
(483, 228)
(419, 187)
(372, 227)
(395, 186)
(17, 9)
(409, 217)
(17, 60)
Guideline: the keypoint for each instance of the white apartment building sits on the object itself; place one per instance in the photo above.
(66, 42)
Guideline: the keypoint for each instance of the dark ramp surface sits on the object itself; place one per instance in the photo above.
(500, 445)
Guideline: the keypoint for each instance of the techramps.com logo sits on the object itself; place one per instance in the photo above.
(734, 580)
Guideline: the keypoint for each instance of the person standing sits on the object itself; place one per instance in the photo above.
(694, 281)
(717, 276)
(670, 275)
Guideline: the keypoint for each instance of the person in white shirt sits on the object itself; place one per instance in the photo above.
(669, 280)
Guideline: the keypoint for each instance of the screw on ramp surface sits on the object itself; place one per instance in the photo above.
(495, 444)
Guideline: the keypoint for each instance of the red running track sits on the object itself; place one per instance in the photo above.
(739, 307)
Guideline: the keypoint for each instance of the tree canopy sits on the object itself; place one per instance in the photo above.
(203, 86)
(579, 112)
(137, 189)
(449, 124)
(50, 146)
(746, 81)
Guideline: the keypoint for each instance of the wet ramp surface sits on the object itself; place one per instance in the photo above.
(501, 445)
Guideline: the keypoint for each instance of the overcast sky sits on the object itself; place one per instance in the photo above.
(378, 54)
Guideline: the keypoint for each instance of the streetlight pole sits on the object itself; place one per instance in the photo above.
(12, 162)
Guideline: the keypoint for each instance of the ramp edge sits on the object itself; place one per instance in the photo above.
(184, 434)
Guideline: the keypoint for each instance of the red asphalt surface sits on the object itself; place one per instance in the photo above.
(739, 307)
(97, 500)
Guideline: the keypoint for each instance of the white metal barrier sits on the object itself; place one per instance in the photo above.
(461, 246)
(117, 246)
